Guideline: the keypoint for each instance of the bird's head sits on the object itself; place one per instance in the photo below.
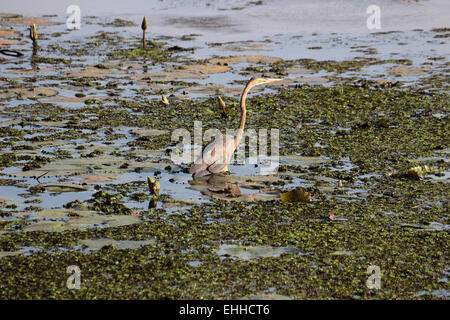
(260, 81)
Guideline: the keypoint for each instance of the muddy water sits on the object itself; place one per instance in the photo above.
(56, 83)
(57, 104)
(243, 20)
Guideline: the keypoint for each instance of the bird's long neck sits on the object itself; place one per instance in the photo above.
(240, 130)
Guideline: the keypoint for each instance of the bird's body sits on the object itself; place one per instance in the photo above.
(217, 155)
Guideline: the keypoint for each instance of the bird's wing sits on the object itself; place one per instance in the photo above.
(216, 168)
(217, 154)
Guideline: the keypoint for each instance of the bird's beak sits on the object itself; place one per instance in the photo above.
(269, 80)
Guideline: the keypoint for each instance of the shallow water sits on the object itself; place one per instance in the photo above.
(269, 18)
(92, 81)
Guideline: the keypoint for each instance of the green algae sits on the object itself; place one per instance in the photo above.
(155, 51)
(37, 59)
(409, 260)
(118, 23)
(356, 130)
(348, 65)
(109, 203)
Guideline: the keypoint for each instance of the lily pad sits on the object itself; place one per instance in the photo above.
(83, 222)
(54, 187)
(249, 252)
(296, 195)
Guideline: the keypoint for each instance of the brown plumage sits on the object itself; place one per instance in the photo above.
(217, 155)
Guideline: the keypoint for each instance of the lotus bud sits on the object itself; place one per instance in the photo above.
(153, 186)
(144, 27)
(164, 100)
(33, 34)
(144, 24)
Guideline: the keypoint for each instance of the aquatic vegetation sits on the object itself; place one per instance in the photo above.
(156, 52)
(296, 195)
(109, 203)
(87, 176)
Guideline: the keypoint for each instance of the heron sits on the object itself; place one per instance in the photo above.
(217, 155)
